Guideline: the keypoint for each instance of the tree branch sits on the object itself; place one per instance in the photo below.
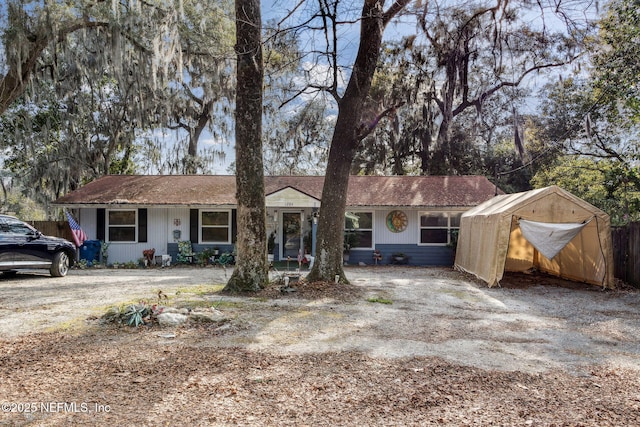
(364, 129)
(13, 84)
(393, 10)
(477, 102)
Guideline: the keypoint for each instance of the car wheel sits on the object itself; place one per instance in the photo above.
(60, 265)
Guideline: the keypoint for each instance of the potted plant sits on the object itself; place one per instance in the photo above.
(453, 241)
(216, 251)
(205, 257)
(349, 242)
(104, 252)
(399, 258)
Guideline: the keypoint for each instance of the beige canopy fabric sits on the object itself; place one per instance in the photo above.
(491, 240)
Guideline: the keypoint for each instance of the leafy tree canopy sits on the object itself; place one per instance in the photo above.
(606, 184)
(89, 82)
(617, 58)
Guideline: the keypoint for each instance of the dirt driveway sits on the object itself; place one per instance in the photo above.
(530, 324)
(401, 346)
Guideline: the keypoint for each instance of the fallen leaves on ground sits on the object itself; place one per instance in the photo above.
(108, 375)
(311, 291)
(143, 379)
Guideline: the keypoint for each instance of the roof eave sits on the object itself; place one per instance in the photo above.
(140, 205)
(228, 205)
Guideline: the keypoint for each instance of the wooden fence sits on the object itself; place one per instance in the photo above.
(54, 228)
(626, 253)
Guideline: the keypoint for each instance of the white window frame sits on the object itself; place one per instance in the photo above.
(109, 226)
(372, 229)
(448, 227)
(201, 226)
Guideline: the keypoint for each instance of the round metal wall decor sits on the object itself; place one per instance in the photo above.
(397, 221)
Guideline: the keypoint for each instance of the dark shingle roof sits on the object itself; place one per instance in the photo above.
(194, 190)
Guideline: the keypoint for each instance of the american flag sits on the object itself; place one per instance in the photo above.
(79, 236)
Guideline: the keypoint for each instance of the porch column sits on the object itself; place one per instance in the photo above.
(314, 230)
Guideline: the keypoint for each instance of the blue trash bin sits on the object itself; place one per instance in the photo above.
(90, 251)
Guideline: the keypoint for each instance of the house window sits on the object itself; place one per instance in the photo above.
(215, 226)
(439, 228)
(358, 229)
(122, 225)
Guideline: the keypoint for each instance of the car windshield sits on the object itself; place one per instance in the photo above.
(14, 226)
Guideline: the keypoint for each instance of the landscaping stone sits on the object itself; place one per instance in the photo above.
(206, 317)
(112, 315)
(171, 319)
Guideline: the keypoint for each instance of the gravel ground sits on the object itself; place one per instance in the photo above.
(437, 348)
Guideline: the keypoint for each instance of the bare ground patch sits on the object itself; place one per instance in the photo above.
(445, 351)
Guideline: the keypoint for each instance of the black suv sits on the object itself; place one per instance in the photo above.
(22, 246)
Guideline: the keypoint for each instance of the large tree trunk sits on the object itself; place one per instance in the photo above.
(348, 132)
(330, 237)
(251, 273)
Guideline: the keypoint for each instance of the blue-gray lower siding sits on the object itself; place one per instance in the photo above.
(172, 249)
(417, 255)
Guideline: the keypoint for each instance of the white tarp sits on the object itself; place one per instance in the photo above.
(549, 238)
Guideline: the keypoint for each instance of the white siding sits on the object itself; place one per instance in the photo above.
(161, 222)
(125, 252)
(87, 221)
(175, 219)
(291, 199)
(382, 235)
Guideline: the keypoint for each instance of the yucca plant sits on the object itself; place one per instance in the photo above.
(136, 313)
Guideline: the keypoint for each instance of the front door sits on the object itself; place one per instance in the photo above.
(291, 234)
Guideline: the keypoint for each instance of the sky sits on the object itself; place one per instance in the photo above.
(348, 40)
(348, 44)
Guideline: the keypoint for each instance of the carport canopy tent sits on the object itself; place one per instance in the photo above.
(547, 229)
